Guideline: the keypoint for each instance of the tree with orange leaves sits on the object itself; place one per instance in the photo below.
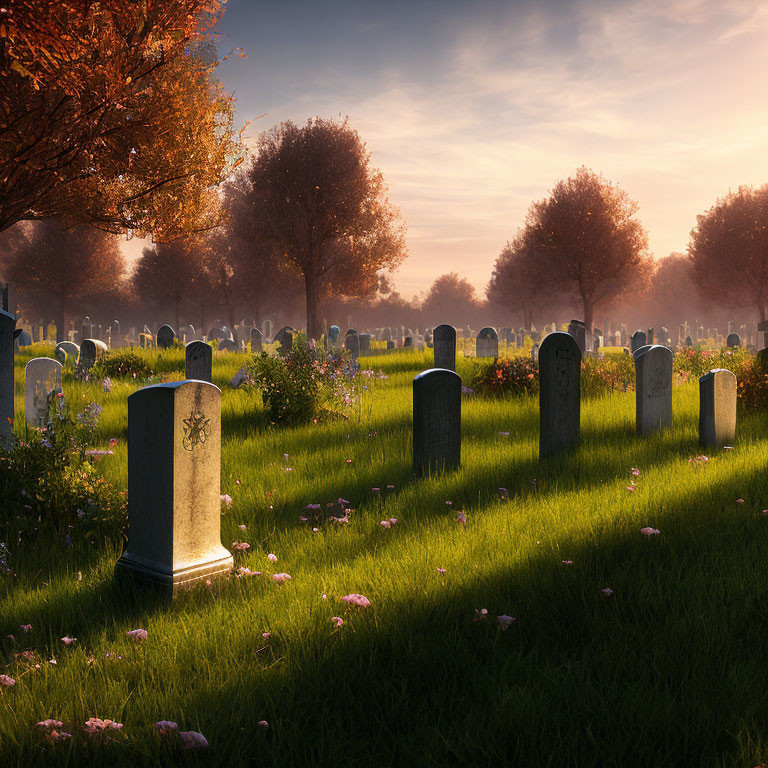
(584, 239)
(109, 113)
(728, 251)
(315, 199)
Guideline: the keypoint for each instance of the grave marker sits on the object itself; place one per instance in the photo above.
(165, 337)
(559, 394)
(444, 341)
(436, 421)
(41, 376)
(198, 361)
(255, 340)
(653, 388)
(487, 344)
(7, 326)
(717, 408)
(638, 340)
(733, 340)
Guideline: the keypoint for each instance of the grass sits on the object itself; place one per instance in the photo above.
(671, 670)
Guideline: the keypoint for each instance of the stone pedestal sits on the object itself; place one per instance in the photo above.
(174, 466)
(717, 408)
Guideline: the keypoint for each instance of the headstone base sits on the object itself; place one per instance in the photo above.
(162, 576)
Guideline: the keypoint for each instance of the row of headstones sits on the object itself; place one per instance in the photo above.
(437, 403)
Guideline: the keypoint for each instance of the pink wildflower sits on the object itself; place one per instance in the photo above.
(242, 527)
(26, 627)
(164, 727)
(480, 614)
(567, 562)
(505, 621)
(6, 681)
(95, 725)
(631, 487)
(226, 499)
(607, 592)
(281, 577)
(648, 531)
(359, 600)
(50, 723)
(635, 472)
(272, 558)
(739, 501)
(243, 571)
(263, 724)
(440, 570)
(266, 635)
(193, 740)
(385, 524)
(240, 546)
(68, 640)
(461, 518)
(337, 620)
(137, 635)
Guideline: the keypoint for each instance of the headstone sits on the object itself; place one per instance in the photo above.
(115, 339)
(165, 337)
(87, 328)
(487, 344)
(408, 342)
(284, 337)
(7, 326)
(41, 376)
(352, 342)
(688, 341)
(255, 340)
(653, 388)
(228, 345)
(444, 340)
(650, 337)
(198, 361)
(364, 339)
(559, 394)
(390, 344)
(638, 340)
(174, 470)
(386, 333)
(733, 340)
(333, 336)
(24, 339)
(66, 352)
(267, 328)
(577, 329)
(90, 349)
(535, 352)
(717, 408)
(436, 421)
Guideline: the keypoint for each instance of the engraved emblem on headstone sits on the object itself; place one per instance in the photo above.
(196, 429)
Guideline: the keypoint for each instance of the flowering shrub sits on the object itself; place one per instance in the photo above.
(305, 383)
(752, 383)
(507, 376)
(689, 364)
(125, 364)
(49, 480)
(612, 372)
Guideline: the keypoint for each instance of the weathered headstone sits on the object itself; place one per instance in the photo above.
(228, 345)
(7, 326)
(66, 352)
(688, 341)
(535, 352)
(577, 329)
(390, 344)
(24, 339)
(444, 340)
(559, 394)
(165, 336)
(90, 349)
(487, 343)
(638, 340)
(653, 388)
(436, 421)
(115, 339)
(255, 340)
(198, 361)
(41, 376)
(284, 337)
(352, 342)
(174, 470)
(267, 328)
(408, 342)
(717, 408)
(733, 340)
(364, 339)
(333, 336)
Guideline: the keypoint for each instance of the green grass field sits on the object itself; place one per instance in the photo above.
(669, 670)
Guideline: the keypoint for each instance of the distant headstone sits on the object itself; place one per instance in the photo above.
(487, 343)
(165, 336)
(364, 339)
(436, 421)
(733, 340)
(198, 361)
(174, 468)
(390, 344)
(650, 337)
(577, 329)
(87, 328)
(352, 342)
(66, 352)
(444, 341)
(115, 339)
(559, 394)
(267, 328)
(284, 337)
(638, 340)
(255, 340)
(653, 389)
(41, 376)
(333, 335)
(90, 349)
(408, 342)
(228, 345)
(535, 352)
(7, 326)
(717, 408)
(24, 339)
(688, 341)
(387, 333)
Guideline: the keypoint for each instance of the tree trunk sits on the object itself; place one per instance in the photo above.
(312, 287)
(176, 318)
(61, 319)
(589, 311)
(761, 310)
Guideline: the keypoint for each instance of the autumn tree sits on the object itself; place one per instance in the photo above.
(728, 251)
(450, 299)
(516, 283)
(317, 200)
(174, 275)
(60, 268)
(584, 239)
(109, 113)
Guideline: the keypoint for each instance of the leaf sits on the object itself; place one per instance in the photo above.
(21, 69)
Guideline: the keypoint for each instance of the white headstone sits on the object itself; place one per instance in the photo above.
(653, 388)
(41, 376)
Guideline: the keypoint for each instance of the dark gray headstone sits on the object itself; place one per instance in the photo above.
(535, 352)
(733, 340)
(436, 421)
(577, 329)
(352, 342)
(255, 340)
(487, 343)
(115, 339)
(284, 337)
(408, 342)
(444, 341)
(638, 340)
(688, 341)
(653, 388)
(717, 408)
(198, 361)
(559, 394)
(165, 336)
(228, 345)
(90, 350)
(7, 327)
(364, 339)
(390, 344)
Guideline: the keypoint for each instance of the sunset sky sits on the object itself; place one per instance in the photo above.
(474, 109)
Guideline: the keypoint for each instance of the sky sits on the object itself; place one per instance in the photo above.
(473, 110)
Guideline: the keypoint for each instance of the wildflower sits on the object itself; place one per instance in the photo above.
(95, 725)
(193, 740)
(113, 441)
(567, 562)
(359, 600)
(7, 681)
(68, 640)
(385, 524)
(635, 472)
(607, 592)
(281, 577)
(54, 730)
(164, 727)
(461, 519)
(505, 621)
(137, 635)
(448, 503)
(481, 614)
(263, 724)
(440, 570)
(106, 384)
(53, 662)
(242, 527)
(227, 499)
(503, 493)
(272, 558)
(503, 434)
(240, 546)
(11, 638)
(26, 627)
(337, 620)
(648, 531)
(97, 453)
(393, 520)
(631, 487)
(349, 461)
(739, 501)
(375, 490)
(266, 635)
(698, 460)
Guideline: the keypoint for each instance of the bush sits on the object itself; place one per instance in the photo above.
(126, 364)
(612, 372)
(689, 364)
(752, 386)
(507, 376)
(305, 383)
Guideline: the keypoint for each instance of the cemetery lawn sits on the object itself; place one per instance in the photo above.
(671, 669)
